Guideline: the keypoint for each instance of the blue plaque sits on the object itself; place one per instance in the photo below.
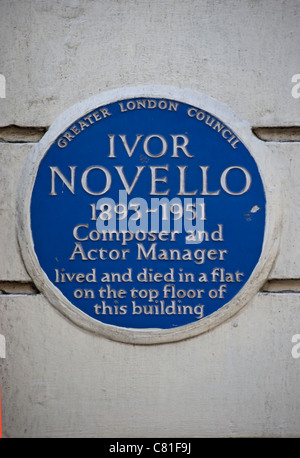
(146, 216)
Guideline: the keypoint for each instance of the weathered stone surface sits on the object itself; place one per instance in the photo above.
(238, 380)
(57, 53)
(287, 161)
(12, 157)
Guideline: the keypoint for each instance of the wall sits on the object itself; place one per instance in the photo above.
(241, 378)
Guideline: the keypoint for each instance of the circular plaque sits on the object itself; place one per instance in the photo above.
(147, 217)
